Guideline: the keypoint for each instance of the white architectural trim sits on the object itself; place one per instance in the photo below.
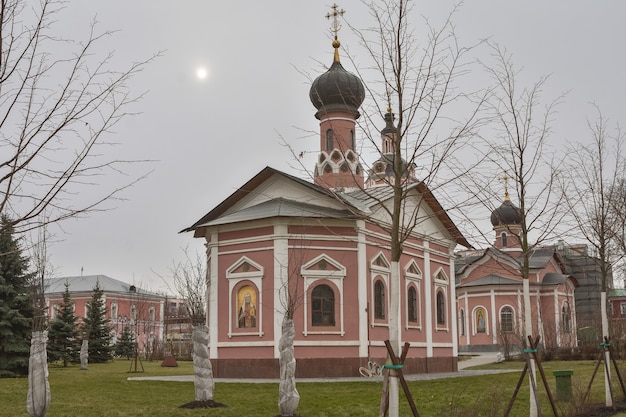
(255, 276)
(362, 289)
(311, 276)
(428, 300)
(212, 290)
(494, 321)
(281, 279)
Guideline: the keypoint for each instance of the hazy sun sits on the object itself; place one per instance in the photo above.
(202, 73)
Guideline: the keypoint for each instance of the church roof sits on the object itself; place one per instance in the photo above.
(86, 284)
(492, 280)
(356, 203)
(280, 207)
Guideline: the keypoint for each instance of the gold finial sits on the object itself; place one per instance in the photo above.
(335, 26)
(506, 186)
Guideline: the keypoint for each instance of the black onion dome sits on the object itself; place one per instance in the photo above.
(506, 214)
(337, 89)
(389, 126)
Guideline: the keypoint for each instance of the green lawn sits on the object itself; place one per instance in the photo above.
(104, 390)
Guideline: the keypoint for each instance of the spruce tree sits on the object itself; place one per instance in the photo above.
(63, 332)
(96, 328)
(125, 347)
(16, 309)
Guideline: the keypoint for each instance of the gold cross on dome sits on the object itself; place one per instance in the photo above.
(506, 185)
(335, 26)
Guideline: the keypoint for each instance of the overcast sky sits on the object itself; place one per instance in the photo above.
(209, 136)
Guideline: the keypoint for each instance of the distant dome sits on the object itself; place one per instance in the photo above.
(337, 89)
(506, 214)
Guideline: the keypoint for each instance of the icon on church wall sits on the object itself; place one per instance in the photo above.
(480, 321)
(246, 300)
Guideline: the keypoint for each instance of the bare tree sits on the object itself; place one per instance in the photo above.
(192, 284)
(597, 169)
(58, 103)
(417, 84)
(520, 149)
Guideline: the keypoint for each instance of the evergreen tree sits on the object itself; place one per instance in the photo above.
(96, 328)
(63, 332)
(16, 309)
(125, 347)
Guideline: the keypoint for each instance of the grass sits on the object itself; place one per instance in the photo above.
(104, 390)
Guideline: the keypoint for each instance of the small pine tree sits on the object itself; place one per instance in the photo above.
(96, 328)
(16, 309)
(125, 347)
(63, 332)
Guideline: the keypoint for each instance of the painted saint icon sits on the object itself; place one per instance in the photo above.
(246, 298)
(480, 321)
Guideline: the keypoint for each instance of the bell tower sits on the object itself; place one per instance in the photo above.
(337, 95)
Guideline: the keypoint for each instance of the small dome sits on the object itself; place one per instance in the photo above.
(383, 169)
(506, 214)
(337, 89)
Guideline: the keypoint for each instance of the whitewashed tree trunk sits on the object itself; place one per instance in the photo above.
(608, 399)
(288, 397)
(84, 354)
(394, 337)
(38, 397)
(528, 331)
(202, 371)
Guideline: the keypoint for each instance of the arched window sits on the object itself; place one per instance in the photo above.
(441, 308)
(352, 141)
(506, 320)
(379, 300)
(481, 320)
(151, 313)
(133, 312)
(412, 304)
(566, 314)
(462, 322)
(504, 240)
(114, 311)
(323, 306)
(329, 140)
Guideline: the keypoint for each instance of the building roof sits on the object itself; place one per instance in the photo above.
(491, 280)
(280, 207)
(356, 204)
(86, 284)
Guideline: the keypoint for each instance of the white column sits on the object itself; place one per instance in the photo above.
(557, 320)
(362, 283)
(281, 276)
(494, 316)
(466, 323)
(428, 299)
(212, 289)
(453, 308)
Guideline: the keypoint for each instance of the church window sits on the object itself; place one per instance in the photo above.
(246, 307)
(323, 306)
(133, 312)
(441, 308)
(352, 141)
(566, 314)
(151, 313)
(344, 167)
(462, 322)
(329, 140)
(379, 300)
(504, 240)
(412, 301)
(622, 308)
(114, 311)
(328, 169)
(506, 320)
(481, 320)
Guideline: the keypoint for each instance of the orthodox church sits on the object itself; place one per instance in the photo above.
(490, 298)
(316, 250)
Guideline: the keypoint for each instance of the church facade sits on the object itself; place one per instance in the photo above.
(490, 306)
(317, 250)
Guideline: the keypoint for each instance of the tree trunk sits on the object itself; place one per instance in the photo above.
(38, 397)
(84, 354)
(202, 370)
(608, 398)
(288, 398)
(394, 336)
(528, 331)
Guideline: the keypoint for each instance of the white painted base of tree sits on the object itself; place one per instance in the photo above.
(84, 354)
(202, 371)
(288, 398)
(38, 397)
